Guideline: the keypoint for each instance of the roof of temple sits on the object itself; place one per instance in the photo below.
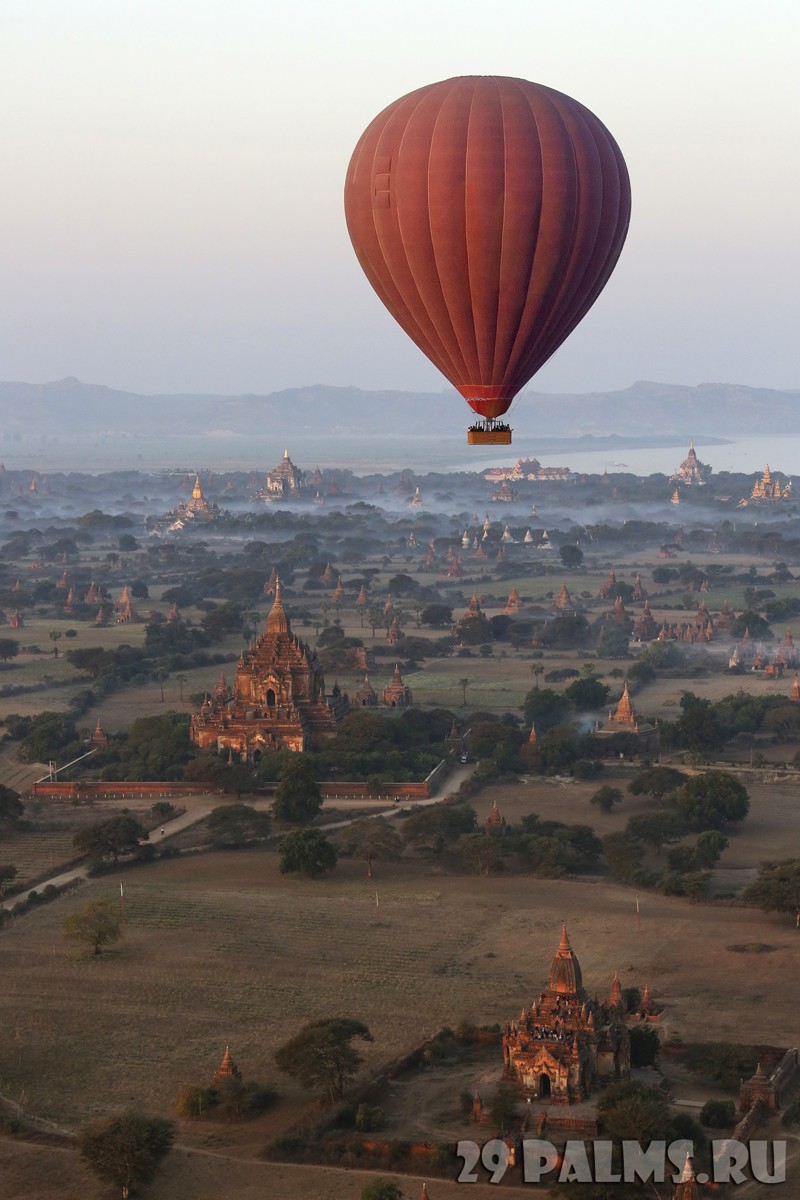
(565, 973)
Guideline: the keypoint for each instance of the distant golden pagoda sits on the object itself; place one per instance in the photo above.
(692, 472)
(768, 489)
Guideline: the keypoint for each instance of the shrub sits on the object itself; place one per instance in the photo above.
(369, 1119)
(193, 1101)
(718, 1114)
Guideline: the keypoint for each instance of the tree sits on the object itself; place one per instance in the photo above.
(298, 798)
(54, 636)
(613, 641)
(776, 887)
(536, 670)
(97, 924)
(371, 838)
(439, 616)
(479, 852)
(545, 707)
(709, 848)
(502, 1104)
(473, 631)
(464, 684)
(656, 782)
(623, 855)
(118, 835)
(375, 616)
(559, 748)
(181, 677)
(9, 648)
(11, 808)
(306, 851)
(439, 826)
(634, 1111)
(126, 1150)
(571, 556)
(718, 1114)
(587, 694)
(656, 829)
(8, 874)
(160, 674)
(606, 797)
(232, 825)
(696, 885)
(712, 800)
(698, 727)
(381, 1189)
(322, 1054)
(645, 1045)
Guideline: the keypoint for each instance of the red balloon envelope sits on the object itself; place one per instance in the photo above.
(488, 214)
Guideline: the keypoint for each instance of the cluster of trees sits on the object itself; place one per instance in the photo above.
(704, 804)
(548, 848)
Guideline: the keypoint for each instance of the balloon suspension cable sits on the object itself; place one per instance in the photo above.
(490, 431)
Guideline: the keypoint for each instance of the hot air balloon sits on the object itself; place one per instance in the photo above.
(488, 214)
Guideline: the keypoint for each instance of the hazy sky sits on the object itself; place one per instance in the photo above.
(173, 171)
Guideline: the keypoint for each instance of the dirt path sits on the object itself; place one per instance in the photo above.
(199, 807)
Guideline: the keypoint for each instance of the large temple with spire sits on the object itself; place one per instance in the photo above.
(565, 1044)
(278, 699)
(284, 481)
(692, 472)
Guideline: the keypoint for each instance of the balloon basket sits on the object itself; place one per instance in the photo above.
(489, 437)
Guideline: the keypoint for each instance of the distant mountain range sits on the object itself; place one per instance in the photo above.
(69, 407)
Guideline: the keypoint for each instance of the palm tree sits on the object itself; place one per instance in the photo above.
(181, 678)
(161, 673)
(464, 684)
(536, 671)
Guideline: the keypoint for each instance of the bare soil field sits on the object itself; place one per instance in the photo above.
(221, 949)
(28, 1169)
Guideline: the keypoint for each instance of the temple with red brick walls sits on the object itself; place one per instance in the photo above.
(494, 823)
(564, 605)
(99, 738)
(394, 633)
(366, 696)
(645, 627)
(226, 1071)
(565, 1044)
(609, 588)
(278, 700)
(512, 603)
(397, 694)
(624, 720)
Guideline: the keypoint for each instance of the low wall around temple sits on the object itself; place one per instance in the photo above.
(158, 790)
(784, 1073)
(86, 789)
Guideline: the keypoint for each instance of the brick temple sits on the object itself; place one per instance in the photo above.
(565, 1044)
(278, 699)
